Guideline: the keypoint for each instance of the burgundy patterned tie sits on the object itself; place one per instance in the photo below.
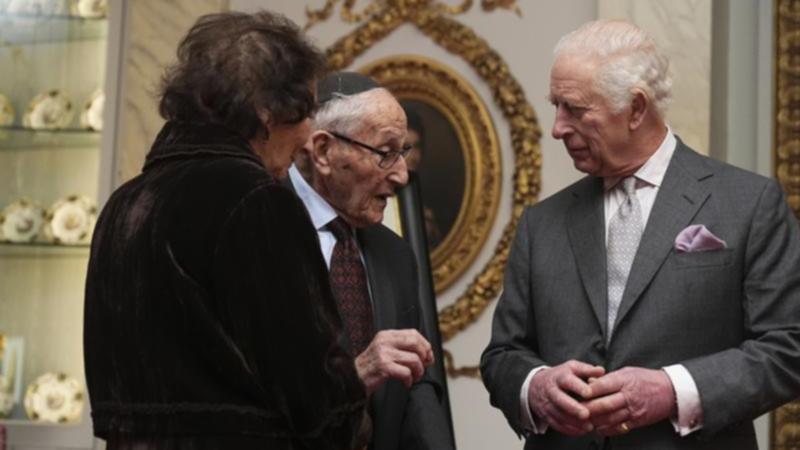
(349, 285)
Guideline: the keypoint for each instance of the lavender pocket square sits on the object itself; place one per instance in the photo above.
(697, 238)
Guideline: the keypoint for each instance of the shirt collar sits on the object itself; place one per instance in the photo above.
(321, 211)
(653, 171)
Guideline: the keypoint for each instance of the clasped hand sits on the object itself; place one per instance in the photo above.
(576, 398)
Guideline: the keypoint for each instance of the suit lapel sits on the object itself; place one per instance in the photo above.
(585, 228)
(379, 277)
(679, 198)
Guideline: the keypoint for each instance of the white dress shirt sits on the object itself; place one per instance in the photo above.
(321, 212)
(648, 180)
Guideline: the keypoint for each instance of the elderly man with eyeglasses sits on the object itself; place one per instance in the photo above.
(351, 164)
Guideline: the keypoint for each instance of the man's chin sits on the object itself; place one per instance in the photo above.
(374, 217)
(584, 166)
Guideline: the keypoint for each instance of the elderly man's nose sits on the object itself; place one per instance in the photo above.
(560, 126)
(399, 172)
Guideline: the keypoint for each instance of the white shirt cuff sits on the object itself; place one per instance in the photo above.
(529, 423)
(690, 411)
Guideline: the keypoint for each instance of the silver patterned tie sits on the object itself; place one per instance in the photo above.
(624, 232)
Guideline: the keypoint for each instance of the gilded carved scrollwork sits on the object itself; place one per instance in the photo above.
(787, 100)
(433, 19)
(786, 420)
(348, 14)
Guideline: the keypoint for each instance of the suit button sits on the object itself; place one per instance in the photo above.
(599, 347)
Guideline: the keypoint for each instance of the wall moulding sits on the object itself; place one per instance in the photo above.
(785, 421)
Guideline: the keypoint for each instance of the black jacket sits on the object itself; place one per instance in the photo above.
(208, 316)
(403, 419)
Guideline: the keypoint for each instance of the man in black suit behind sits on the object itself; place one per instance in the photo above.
(352, 163)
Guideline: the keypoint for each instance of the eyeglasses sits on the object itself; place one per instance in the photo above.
(388, 157)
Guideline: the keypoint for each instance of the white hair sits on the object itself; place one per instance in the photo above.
(627, 57)
(345, 113)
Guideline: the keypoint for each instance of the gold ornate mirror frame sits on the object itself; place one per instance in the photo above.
(785, 421)
(432, 18)
(427, 81)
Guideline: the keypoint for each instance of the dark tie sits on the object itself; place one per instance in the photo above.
(349, 285)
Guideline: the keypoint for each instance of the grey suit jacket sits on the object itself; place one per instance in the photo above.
(731, 317)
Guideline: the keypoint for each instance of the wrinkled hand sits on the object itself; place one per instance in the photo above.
(632, 395)
(399, 354)
(552, 393)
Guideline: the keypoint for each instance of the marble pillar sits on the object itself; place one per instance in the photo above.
(153, 29)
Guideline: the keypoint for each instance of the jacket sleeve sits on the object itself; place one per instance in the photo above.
(762, 372)
(511, 353)
(425, 422)
(272, 287)
(425, 425)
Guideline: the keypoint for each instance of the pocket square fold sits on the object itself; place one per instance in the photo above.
(697, 238)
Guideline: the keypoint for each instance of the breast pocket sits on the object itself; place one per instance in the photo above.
(691, 260)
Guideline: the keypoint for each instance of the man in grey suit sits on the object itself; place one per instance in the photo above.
(351, 164)
(654, 304)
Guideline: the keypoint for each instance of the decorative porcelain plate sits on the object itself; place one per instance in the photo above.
(21, 221)
(49, 111)
(70, 220)
(6, 111)
(54, 397)
(89, 8)
(92, 115)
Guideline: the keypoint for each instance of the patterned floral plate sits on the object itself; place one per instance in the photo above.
(54, 397)
(21, 221)
(89, 8)
(92, 115)
(70, 220)
(49, 111)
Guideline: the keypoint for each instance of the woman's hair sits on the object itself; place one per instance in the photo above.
(234, 68)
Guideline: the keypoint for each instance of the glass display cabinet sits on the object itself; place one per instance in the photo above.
(52, 72)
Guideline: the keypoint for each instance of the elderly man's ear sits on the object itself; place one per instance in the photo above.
(318, 146)
(640, 105)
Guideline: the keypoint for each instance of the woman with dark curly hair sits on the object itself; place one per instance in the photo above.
(209, 322)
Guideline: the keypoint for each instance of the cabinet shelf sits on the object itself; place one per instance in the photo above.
(42, 249)
(23, 138)
(25, 29)
(32, 423)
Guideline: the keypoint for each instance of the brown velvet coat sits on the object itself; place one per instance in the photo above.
(209, 321)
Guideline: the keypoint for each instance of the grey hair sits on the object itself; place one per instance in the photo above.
(344, 113)
(628, 59)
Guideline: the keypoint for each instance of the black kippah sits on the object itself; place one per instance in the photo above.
(343, 83)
